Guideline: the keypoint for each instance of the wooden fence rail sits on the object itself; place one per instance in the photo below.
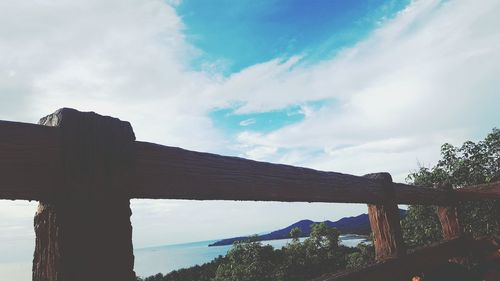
(167, 172)
(84, 168)
(171, 173)
(30, 160)
(422, 259)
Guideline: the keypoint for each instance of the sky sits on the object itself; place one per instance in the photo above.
(346, 86)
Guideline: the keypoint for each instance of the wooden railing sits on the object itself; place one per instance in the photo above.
(84, 168)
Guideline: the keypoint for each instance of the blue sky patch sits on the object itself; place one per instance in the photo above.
(232, 123)
(236, 34)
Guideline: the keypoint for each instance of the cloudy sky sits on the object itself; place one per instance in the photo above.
(346, 86)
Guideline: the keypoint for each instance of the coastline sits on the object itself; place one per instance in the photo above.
(166, 258)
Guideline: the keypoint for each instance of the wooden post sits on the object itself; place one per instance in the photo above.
(448, 217)
(450, 226)
(83, 229)
(384, 221)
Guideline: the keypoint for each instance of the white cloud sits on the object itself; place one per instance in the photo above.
(426, 77)
(122, 58)
(247, 122)
(430, 70)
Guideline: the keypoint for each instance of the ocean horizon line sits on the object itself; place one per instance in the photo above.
(354, 236)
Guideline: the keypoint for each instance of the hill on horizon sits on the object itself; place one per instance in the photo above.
(348, 225)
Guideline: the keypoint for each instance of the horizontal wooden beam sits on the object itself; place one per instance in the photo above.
(31, 167)
(174, 173)
(478, 192)
(423, 259)
(30, 160)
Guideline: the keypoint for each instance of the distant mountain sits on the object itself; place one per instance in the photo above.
(349, 225)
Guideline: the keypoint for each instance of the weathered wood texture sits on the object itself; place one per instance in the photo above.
(422, 259)
(30, 160)
(450, 226)
(83, 229)
(479, 192)
(410, 194)
(448, 217)
(384, 222)
(168, 172)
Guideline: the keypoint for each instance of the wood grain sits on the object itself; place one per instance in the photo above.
(30, 160)
(31, 163)
(174, 173)
(422, 259)
(83, 230)
(479, 192)
(448, 217)
(384, 222)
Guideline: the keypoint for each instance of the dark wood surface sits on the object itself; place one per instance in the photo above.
(30, 160)
(169, 172)
(478, 192)
(83, 230)
(384, 222)
(448, 217)
(422, 259)
(450, 225)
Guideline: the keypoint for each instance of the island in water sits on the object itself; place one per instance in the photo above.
(356, 227)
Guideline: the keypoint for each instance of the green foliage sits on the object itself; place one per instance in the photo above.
(323, 236)
(421, 226)
(204, 272)
(157, 277)
(318, 254)
(365, 255)
(297, 261)
(470, 164)
(248, 261)
(295, 234)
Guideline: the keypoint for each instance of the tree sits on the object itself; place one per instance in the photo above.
(365, 255)
(421, 226)
(295, 234)
(297, 261)
(316, 255)
(470, 164)
(248, 261)
(324, 236)
(157, 277)
(322, 243)
(204, 272)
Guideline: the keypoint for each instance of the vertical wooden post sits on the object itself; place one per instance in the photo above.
(448, 217)
(83, 231)
(384, 221)
(450, 226)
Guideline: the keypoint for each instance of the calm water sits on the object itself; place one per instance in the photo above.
(150, 261)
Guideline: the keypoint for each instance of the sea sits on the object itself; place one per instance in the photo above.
(164, 259)
(148, 261)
